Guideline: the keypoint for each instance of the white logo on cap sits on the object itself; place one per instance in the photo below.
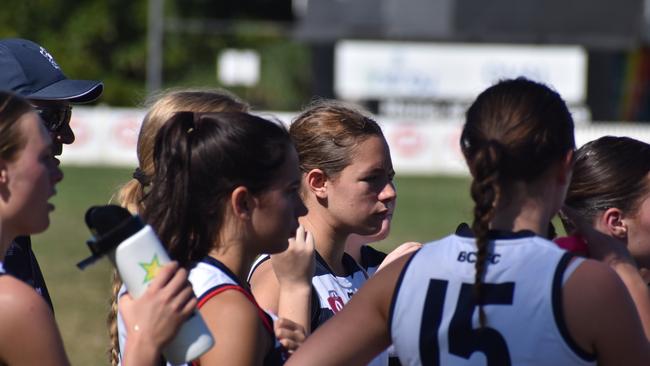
(49, 58)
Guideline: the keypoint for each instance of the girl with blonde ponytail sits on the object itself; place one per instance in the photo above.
(498, 293)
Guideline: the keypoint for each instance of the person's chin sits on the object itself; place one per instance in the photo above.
(41, 226)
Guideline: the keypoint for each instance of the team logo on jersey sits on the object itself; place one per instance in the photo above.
(335, 301)
(151, 268)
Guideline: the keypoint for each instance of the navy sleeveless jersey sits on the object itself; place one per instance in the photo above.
(21, 263)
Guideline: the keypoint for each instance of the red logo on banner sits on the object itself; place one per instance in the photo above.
(407, 140)
(82, 133)
(126, 131)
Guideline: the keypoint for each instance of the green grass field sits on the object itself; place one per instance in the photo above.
(428, 208)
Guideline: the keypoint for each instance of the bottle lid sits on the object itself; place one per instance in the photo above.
(110, 225)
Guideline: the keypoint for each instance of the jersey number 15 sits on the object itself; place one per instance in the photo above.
(464, 340)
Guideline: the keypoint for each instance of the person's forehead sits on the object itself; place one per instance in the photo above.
(49, 103)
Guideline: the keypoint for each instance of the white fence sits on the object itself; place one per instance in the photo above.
(108, 136)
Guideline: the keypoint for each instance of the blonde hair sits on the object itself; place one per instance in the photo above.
(162, 107)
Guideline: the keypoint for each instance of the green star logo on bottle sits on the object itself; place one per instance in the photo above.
(151, 268)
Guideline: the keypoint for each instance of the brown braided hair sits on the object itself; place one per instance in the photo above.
(514, 131)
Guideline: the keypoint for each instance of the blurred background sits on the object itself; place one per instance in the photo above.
(415, 64)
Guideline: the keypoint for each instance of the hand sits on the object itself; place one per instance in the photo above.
(164, 306)
(290, 334)
(295, 266)
(406, 248)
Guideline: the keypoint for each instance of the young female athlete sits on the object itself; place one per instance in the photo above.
(28, 175)
(224, 190)
(347, 187)
(608, 205)
(498, 294)
(131, 196)
(161, 108)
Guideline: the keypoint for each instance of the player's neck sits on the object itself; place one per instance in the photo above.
(236, 257)
(522, 214)
(328, 242)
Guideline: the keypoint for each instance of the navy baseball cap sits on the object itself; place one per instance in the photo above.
(28, 69)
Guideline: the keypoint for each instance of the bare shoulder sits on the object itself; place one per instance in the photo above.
(28, 328)
(601, 316)
(265, 286)
(379, 290)
(594, 280)
(235, 322)
(262, 274)
(19, 302)
(232, 304)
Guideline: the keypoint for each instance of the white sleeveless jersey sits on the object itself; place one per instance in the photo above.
(434, 318)
(209, 278)
(2, 268)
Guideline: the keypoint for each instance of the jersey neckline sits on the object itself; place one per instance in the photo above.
(217, 263)
(349, 264)
(465, 231)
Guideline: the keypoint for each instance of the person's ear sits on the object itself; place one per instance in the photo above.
(612, 221)
(316, 181)
(242, 202)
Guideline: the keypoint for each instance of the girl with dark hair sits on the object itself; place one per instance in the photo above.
(224, 190)
(607, 211)
(29, 335)
(161, 107)
(500, 293)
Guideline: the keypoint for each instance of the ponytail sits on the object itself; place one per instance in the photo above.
(174, 220)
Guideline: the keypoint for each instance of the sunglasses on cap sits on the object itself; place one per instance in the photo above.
(54, 118)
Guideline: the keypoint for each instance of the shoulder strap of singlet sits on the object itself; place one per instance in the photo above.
(558, 311)
(216, 290)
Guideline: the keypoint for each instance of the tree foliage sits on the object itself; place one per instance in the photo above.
(106, 40)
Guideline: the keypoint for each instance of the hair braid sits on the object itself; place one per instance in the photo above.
(485, 193)
(111, 321)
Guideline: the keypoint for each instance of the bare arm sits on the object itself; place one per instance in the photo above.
(237, 329)
(403, 249)
(341, 341)
(294, 269)
(602, 318)
(265, 287)
(29, 335)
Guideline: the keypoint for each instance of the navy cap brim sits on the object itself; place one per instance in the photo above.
(73, 91)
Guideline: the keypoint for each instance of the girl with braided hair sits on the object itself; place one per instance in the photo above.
(498, 292)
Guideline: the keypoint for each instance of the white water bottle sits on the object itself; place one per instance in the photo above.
(137, 253)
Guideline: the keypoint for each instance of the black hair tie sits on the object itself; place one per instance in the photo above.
(141, 177)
